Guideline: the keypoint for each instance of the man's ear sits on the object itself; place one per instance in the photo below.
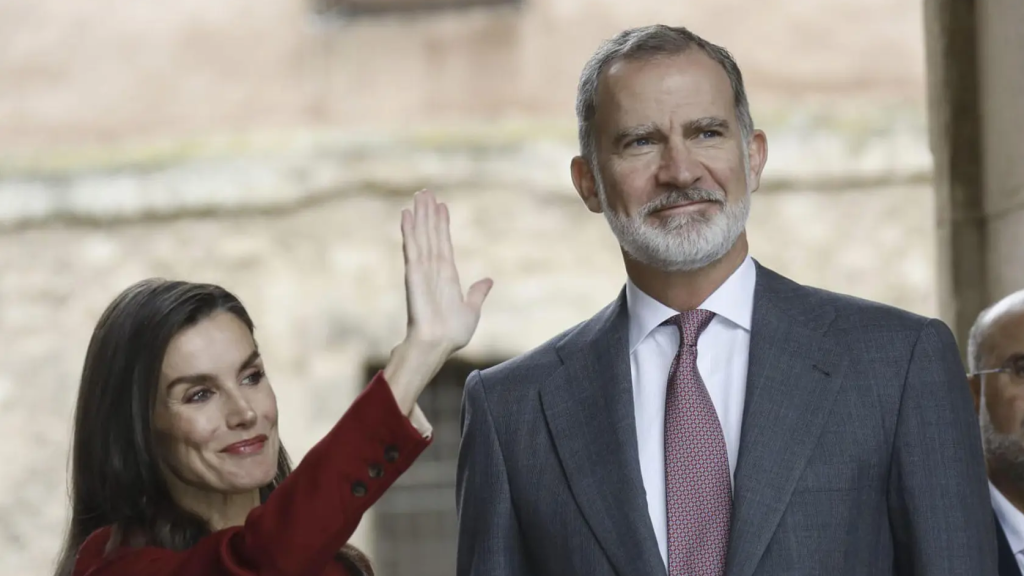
(585, 183)
(974, 382)
(757, 151)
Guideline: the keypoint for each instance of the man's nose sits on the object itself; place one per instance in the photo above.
(678, 166)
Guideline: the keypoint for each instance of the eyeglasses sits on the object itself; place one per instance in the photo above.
(1014, 366)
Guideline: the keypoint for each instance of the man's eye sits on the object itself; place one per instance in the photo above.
(1018, 368)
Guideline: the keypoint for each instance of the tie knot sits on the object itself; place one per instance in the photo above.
(691, 324)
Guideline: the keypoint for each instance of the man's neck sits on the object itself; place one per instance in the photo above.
(1007, 486)
(687, 289)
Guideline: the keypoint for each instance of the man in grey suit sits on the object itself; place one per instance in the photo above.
(716, 418)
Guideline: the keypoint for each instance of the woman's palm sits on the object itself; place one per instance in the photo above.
(438, 311)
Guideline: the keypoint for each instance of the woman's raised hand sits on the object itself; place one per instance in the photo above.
(441, 319)
(439, 313)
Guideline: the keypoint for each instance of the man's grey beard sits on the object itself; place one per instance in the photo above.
(1004, 452)
(684, 242)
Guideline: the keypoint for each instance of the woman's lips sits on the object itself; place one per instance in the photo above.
(250, 446)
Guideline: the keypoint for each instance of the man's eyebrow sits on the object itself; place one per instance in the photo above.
(707, 123)
(634, 132)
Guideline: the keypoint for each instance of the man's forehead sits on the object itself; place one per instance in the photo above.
(1004, 333)
(1009, 325)
(692, 61)
(1009, 310)
(691, 80)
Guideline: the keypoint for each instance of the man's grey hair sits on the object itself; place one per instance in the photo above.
(974, 340)
(979, 331)
(646, 43)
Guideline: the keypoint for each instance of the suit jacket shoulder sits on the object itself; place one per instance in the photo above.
(850, 312)
(879, 343)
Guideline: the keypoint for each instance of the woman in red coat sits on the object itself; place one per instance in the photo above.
(177, 469)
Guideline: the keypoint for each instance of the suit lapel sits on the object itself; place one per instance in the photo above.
(793, 375)
(588, 405)
(1007, 563)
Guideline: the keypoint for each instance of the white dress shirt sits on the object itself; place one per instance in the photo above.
(1012, 521)
(722, 356)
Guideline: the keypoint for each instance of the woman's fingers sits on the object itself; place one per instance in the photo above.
(433, 238)
(478, 293)
(422, 232)
(444, 229)
(408, 239)
(431, 224)
(438, 309)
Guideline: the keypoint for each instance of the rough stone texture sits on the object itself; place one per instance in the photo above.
(976, 117)
(116, 72)
(304, 169)
(1005, 256)
(1001, 79)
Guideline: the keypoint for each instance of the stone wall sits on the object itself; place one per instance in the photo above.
(976, 118)
(115, 72)
(1002, 114)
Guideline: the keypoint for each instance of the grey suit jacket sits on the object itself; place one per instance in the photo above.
(860, 453)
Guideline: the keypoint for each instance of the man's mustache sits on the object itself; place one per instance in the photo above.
(682, 196)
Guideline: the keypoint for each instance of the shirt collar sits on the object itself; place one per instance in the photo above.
(733, 300)
(1010, 518)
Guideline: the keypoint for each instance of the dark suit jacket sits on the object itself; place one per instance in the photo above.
(860, 452)
(305, 521)
(1007, 563)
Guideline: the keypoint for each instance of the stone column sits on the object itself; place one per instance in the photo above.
(975, 84)
(951, 34)
(1001, 79)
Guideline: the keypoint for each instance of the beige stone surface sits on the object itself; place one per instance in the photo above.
(976, 115)
(1001, 79)
(1001, 83)
(1006, 253)
(106, 72)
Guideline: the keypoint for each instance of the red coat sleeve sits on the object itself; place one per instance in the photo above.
(306, 520)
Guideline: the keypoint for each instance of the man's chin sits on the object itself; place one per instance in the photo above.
(1005, 452)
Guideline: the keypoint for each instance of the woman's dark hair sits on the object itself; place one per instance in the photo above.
(115, 475)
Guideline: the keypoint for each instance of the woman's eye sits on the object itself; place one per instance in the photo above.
(201, 395)
(254, 378)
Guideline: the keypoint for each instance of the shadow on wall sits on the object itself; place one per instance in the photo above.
(417, 514)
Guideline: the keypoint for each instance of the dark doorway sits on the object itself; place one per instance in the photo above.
(415, 521)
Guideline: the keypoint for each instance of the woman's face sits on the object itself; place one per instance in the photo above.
(215, 419)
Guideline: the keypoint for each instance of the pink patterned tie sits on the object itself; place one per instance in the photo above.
(697, 484)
